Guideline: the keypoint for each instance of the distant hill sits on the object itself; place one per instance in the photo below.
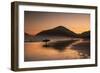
(85, 34)
(57, 31)
(28, 37)
(54, 33)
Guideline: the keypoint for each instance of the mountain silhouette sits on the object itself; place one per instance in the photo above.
(54, 33)
(28, 37)
(57, 31)
(85, 35)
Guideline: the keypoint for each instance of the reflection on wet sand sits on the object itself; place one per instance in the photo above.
(59, 50)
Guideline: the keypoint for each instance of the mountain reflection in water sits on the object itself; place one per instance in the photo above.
(57, 50)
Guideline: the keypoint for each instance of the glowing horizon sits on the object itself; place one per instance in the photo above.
(36, 22)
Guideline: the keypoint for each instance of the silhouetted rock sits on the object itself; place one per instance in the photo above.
(59, 45)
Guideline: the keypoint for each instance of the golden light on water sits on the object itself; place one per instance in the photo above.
(37, 52)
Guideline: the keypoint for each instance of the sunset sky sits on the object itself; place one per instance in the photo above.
(35, 22)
